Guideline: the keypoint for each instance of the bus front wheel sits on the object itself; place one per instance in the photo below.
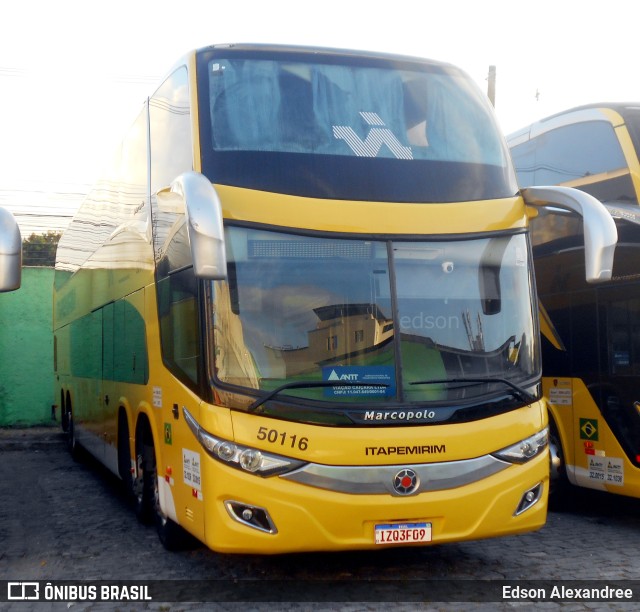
(172, 536)
(143, 482)
(147, 496)
(558, 481)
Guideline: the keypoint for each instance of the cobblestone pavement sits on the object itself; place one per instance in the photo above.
(66, 520)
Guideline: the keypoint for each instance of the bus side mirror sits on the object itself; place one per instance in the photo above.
(600, 233)
(193, 194)
(10, 252)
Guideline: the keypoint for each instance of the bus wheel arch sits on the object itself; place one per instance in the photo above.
(147, 492)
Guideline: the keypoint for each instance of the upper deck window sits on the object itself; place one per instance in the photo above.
(348, 127)
(586, 155)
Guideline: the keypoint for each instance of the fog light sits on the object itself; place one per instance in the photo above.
(250, 516)
(531, 497)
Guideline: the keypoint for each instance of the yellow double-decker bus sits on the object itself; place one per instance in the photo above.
(10, 252)
(299, 314)
(591, 348)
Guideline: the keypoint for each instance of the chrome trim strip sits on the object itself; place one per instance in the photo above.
(378, 479)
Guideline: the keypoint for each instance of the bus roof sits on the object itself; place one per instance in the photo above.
(584, 112)
(303, 49)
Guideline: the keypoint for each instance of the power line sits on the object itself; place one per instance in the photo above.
(129, 79)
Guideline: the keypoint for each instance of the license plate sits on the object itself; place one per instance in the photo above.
(399, 533)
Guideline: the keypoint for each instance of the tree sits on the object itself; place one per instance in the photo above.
(40, 249)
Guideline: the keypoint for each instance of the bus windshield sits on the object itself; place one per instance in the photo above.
(347, 127)
(391, 316)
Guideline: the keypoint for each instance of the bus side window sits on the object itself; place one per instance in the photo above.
(179, 325)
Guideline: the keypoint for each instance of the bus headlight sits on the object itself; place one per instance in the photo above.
(526, 449)
(238, 456)
(251, 459)
(225, 450)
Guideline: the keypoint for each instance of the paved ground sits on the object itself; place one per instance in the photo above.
(66, 520)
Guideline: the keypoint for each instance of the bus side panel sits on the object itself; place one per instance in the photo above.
(593, 455)
(177, 450)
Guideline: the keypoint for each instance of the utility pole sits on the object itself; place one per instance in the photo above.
(491, 87)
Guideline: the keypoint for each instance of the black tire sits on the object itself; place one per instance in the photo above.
(172, 536)
(143, 486)
(147, 496)
(72, 441)
(64, 415)
(559, 485)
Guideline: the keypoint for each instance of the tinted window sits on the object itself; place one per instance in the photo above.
(179, 325)
(348, 127)
(584, 155)
(411, 314)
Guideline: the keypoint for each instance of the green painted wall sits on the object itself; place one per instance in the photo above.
(26, 350)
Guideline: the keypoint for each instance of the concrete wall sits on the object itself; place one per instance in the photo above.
(26, 351)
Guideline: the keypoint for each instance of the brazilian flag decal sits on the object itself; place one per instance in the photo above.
(589, 429)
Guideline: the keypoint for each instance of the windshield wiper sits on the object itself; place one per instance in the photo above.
(518, 391)
(311, 384)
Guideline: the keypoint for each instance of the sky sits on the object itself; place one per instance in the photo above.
(74, 73)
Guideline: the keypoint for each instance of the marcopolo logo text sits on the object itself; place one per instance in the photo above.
(399, 415)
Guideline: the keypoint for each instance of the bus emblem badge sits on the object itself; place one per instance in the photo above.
(405, 482)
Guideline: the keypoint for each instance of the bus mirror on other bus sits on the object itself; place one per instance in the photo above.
(10, 252)
(194, 195)
(600, 233)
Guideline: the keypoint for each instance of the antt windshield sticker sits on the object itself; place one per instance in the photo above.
(371, 145)
(157, 397)
(364, 376)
